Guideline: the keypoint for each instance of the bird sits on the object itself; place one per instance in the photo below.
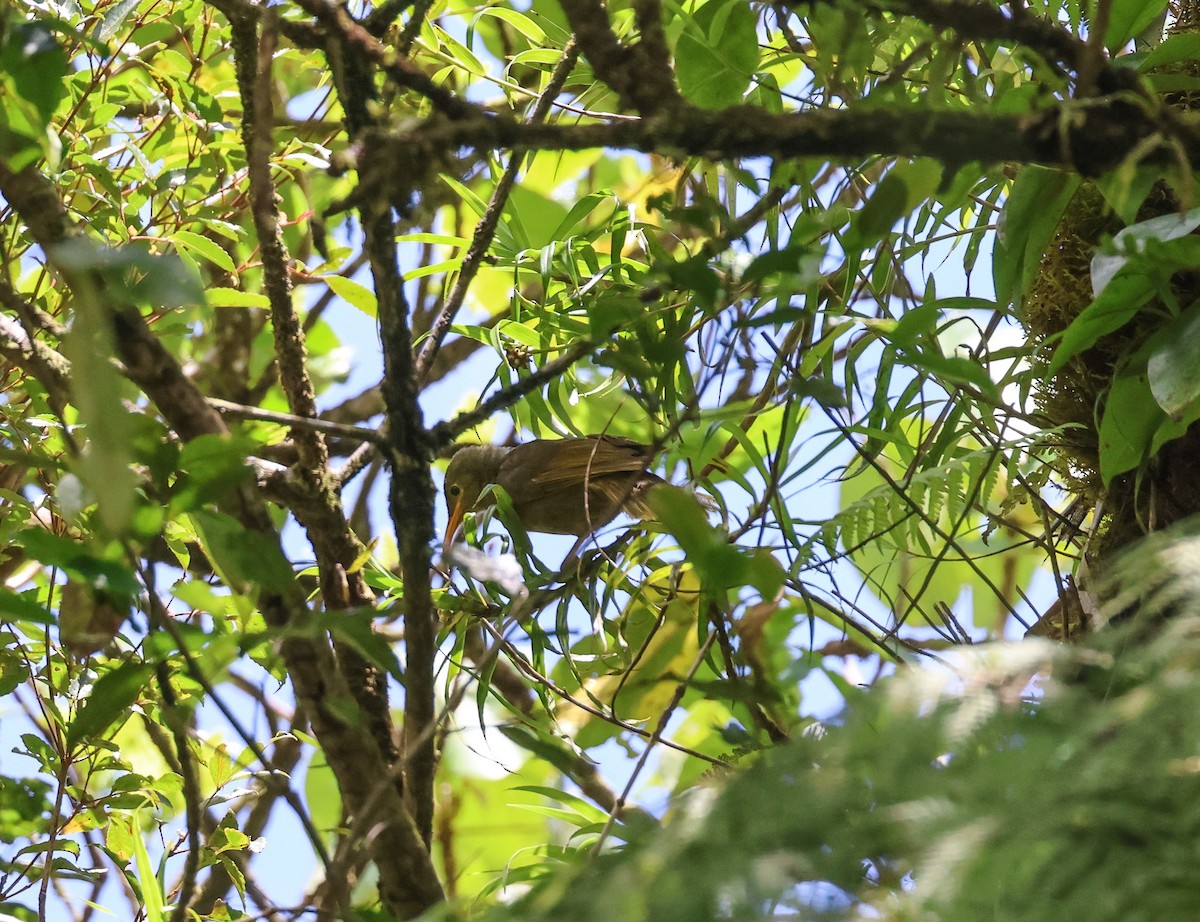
(557, 486)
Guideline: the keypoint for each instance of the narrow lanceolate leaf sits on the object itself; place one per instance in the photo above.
(110, 699)
(104, 465)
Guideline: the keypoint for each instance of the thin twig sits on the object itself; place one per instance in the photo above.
(663, 719)
(446, 432)
(485, 230)
(341, 430)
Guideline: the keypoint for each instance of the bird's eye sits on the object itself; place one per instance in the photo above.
(454, 490)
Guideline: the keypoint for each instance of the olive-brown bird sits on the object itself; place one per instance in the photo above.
(559, 486)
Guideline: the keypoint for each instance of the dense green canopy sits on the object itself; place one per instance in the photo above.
(907, 288)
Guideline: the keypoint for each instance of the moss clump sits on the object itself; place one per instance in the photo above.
(1072, 400)
(1060, 291)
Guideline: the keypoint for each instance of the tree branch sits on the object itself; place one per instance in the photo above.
(641, 79)
(1090, 138)
(357, 41)
(319, 509)
(252, 61)
(50, 368)
(444, 433)
(972, 19)
(485, 230)
(411, 496)
(408, 880)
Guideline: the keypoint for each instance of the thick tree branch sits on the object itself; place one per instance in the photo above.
(48, 367)
(411, 498)
(411, 505)
(342, 586)
(1090, 138)
(318, 505)
(654, 51)
(147, 363)
(300, 34)
(361, 44)
(408, 35)
(252, 60)
(637, 73)
(31, 316)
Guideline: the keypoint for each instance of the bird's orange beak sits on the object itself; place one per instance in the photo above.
(452, 526)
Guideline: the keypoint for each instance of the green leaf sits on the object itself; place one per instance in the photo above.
(1126, 188)
(717, 53)
(695, 274)
(878, 216)
(580, 210)
(209, 467)
(913, 325)
(244, 558)
(231, 297)
(801, 260)
(765, 573)
(356, 629)
(204, 247)
(110, 698)
(898, 192)
(33, 60)
(1128, 18)
(448, 240)
(819, 388)
(944, 305)
(1184, 46)
(913, 335)
(73, 557)
(1031, 215)
(441, 268)
(23, 803)
(1127, 428)
(148, 883)
(1129, 246)
(1174, 365)
(1116, 305)
(720, 564)
(322, 793)
(22, 609)
(354, 294)
(531, 215)
(113, 19)
(469, 198)
(132, 274)
(953, 370)
(543, 745)
(581, 811)
(104, 464)
(519, 21)
(1127, 273)
(612, 312)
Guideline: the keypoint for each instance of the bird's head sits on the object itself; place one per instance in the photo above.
(470, 470)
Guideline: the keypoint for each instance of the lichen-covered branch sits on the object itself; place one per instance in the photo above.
(1088, 138)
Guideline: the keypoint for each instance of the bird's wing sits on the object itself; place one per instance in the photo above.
(572, 461)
